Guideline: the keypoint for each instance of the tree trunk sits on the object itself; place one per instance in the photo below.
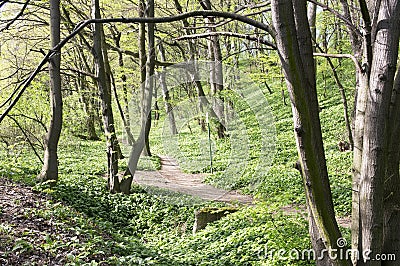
(113, 152)
(150, 64)
(124, 113)
(165, 92)
(87, 106)
(344, 101)
(312, 18)
(50, 167)
(293, 40)
(376, 135)
(358, 49)
(391, 201)
(127, 128)
(216, 73)
(147, 95)
(108, 79)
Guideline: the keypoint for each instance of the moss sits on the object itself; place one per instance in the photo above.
(208, 215)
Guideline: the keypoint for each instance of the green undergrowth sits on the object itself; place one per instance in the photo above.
(148, 227)
(154, 227)
(251, 236)
(269, 174)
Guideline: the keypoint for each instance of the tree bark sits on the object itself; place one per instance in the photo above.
(150, 64)
(362, 76)
(50, 167)
(293, 38)
(312, 19)
(147, 85)
(113, 152)
(391, 201)
(376, 135)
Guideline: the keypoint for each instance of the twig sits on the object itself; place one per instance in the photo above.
(224, 33)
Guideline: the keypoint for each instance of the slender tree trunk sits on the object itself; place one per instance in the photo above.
(165, 92)
(50, 166)
(113, 152)
(87, 106)
(216, 73)
(293, 40)
(93, 113)
(312, 19)
(146, 95)
(108, 73)
(123, 112)
(344, 102)
(358, 49)
(194, 73)
(150, 64)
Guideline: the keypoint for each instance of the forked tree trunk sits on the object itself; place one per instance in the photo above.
(146, 97)
(50, 167)
(293, 40)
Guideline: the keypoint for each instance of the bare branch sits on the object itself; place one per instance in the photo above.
(350, 56)
(79, 27)
(202, 13)
(368, 29)
(224, 22)
(27, 138)
(79, 72)
(40, 122)
(136, 55)
(21, 12)
(224, 33)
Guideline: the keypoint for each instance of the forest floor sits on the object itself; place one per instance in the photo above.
(171, 177)
(24, 225)
(19, 221)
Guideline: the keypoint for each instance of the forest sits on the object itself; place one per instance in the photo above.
(199, 132)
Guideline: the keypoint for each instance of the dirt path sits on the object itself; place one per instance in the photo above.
(172, 178)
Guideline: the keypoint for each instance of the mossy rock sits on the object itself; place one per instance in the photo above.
(208, 215)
